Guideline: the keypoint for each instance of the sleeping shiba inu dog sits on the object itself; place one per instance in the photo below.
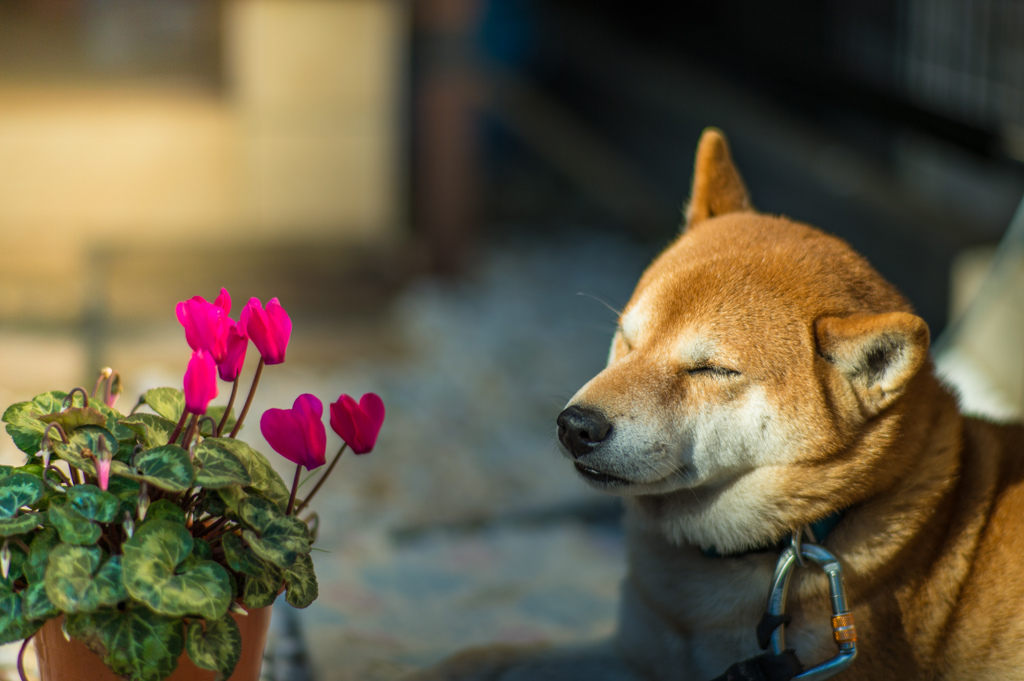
(764, 377)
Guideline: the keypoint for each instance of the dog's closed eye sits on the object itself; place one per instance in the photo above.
(712, 370)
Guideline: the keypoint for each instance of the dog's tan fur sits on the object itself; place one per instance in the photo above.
(762, 377)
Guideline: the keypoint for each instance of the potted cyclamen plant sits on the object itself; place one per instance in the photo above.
(150, 536)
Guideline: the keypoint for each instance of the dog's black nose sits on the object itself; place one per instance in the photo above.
(581, 428)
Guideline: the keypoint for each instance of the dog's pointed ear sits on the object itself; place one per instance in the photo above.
(877, 354)
(717, 186)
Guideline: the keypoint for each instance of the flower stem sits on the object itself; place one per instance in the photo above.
(320, 482)
(248, 399)
(177, 429)
(203, 531)
(190, 431)
(295, 488)
(227, 409)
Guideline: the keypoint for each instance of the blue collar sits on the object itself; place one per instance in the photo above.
(821, 529)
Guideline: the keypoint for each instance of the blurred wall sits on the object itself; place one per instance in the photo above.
(299, 142)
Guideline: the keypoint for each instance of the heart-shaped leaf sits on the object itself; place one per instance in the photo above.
(19, 490)
(153, 430)
(217, 467)
(168, 468)
(240, 557)
(22, 419)
(26, 522)
(14, 625)
(93, 503)
(83, 442)
(279, 539)
(261, 590)
(75, 417)
(113, 424)
(39, 553)
(167, 402)
(151, 573)
(35, 604)
(74, 584)
(165, 509)
(301, 582)
(217, 647)
(264, 478)
(74, 528)
(136, 643)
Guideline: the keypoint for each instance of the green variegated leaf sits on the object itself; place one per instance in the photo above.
(153, 430)
(202, 549)
(217, 467)
(167, 402)
(213, 505)
(84, 441)
(300, 579)
(240, 557)
(218, 647)
(19, 490)
(39, 553)
(136, 643)
(73, 583)
(168, 468)
(165, 509)
(35, 604)
(279, 539)
(14, 625)
(93, 503)
(74, 528)
(75, 417)
(264, 478)
(22, 419)
(261, 590)
(26, 522)
(152, 575)
(113, 423)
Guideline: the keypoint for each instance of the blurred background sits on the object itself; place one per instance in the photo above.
(451, 198)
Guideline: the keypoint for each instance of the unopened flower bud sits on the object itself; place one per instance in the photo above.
(129, 524)
(143, 503)
(5, 560)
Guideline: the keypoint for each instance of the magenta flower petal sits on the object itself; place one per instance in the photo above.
(206, 325)
(223, 301)
(234, 356)
(269, 329)
(358, 424)
(200, 382)
(298, 434)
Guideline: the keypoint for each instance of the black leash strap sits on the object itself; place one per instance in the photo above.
(764, 667)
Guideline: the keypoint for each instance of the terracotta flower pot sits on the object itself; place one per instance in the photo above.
(63, 660)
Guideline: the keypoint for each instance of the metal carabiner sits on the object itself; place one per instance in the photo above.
(843, 632)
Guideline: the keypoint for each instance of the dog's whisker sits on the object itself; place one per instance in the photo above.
(610, 306)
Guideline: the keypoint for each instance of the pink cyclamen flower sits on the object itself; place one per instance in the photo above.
(200, 382)
(358, 424)
(234, 356)
(269, 329)
(298, 434)
(206, 324)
